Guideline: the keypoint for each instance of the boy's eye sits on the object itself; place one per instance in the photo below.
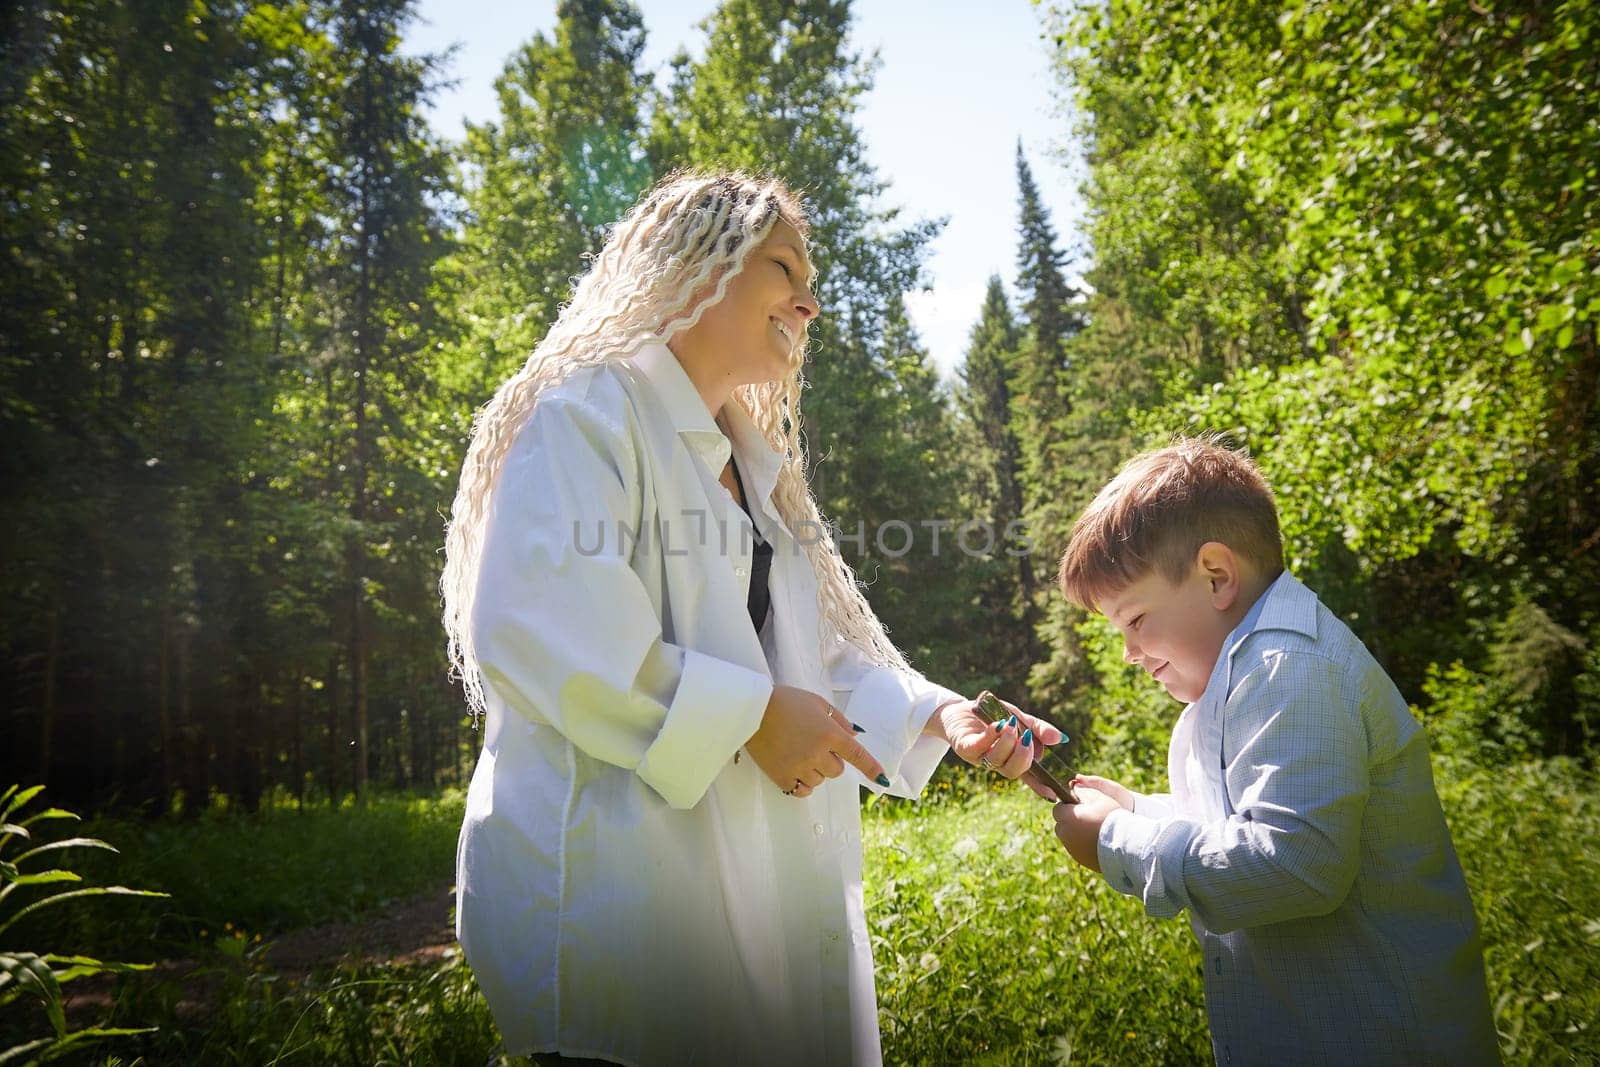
(1137, 621)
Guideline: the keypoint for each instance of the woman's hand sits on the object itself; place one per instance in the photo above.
(804, 739)
(1008, 750)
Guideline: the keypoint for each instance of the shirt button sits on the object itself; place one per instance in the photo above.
(1216, 964)
(818, 829)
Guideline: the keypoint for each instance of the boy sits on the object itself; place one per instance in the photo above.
(1302, 833)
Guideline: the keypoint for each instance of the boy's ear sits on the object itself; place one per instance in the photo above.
(1220, 567)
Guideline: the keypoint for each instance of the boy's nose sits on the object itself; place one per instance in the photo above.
(1129, 653)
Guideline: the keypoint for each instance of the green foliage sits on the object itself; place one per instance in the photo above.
(224, 449)
(31, 975)
(275, 870)
(378, 1014)
(992, 948)
(1007, 583)
(1319, 230)
(1527, 835)
(1133, 718)
(564, 162)
(778, 89)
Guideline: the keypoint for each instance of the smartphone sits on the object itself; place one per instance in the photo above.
(1048, 769)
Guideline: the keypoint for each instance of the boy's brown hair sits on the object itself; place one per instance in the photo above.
(1157, 512)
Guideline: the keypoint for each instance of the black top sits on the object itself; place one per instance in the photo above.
(760, 599)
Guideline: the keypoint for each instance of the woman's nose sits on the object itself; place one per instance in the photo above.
(806, 304)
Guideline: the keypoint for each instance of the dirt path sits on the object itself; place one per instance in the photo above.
(410, 931)
(417, 930)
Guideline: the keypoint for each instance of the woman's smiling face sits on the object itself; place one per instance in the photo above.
(755, 331)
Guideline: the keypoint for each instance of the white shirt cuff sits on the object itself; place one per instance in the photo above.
(893, 706)
(1125, 846)
(718, 706)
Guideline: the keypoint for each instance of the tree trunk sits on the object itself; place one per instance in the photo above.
(52, 666)
(297, 756)
(169, 783)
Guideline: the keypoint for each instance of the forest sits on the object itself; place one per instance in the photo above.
(252, 300)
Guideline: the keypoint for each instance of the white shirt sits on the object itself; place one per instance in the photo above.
(631, 886)
(1305, 838)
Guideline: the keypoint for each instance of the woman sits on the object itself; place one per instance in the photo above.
(683, 687)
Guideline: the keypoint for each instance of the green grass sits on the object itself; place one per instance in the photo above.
(991, 947)
(266, 873)
(1529, 839)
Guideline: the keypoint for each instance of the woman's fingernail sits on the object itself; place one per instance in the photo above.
(1064, 738)
(1027, 738)
(883, 780)
(1011, 721)
(858, 728)
(999, 726)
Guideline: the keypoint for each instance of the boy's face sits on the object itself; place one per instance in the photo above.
(1173, 631)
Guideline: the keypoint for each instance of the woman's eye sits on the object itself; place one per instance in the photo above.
(786, 271)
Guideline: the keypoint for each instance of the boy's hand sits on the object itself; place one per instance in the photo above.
(1078, 825)
(1115, 790)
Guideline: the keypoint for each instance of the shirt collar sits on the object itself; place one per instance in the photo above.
(1283, 605)
(682, 402)
(759, 462)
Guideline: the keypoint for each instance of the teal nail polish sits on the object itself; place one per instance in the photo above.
(1027, 738)
(883, 780)
(1011, 721)
(858, 728)
(999, 726)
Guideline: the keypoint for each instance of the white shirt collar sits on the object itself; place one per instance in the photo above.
(682, 401)
(759, 462)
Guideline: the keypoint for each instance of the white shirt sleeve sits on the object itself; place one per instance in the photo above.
(1299, 786)
(892, 706)
(565, 632)
(1155, 805)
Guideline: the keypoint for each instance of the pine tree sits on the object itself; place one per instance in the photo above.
(387, 173)
(563, 163)
(1047, 298)
(1042, 374)
(1008, 586)
(987, 374)
(778, 90)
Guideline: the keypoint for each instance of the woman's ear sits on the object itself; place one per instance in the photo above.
(1220, 567)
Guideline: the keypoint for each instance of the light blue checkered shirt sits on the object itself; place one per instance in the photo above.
(1304, 837)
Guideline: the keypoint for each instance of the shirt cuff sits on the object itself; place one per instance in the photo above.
(718, 706)
(1125, 847)
(1153, 805)
(894, 706)
(1139, 854)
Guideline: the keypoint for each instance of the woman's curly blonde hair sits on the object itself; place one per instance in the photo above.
(690, 234)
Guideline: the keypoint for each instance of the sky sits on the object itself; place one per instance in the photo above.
(954, 92)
